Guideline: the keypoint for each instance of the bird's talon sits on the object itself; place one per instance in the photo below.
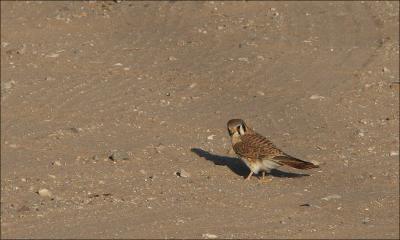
(264, 180)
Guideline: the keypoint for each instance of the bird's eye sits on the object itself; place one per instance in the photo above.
(241, 129)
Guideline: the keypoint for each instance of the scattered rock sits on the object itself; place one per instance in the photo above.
(394, 153)
(360, 132)
(211, 137)
(13, 145)
(243, 59)
(316, 97)
(370, 149)
(182, 173)
(143, 172)
(172, 58)
(57, 163)
(366, 220)
(385, 69)
(260, 58)
(49, 78)
(333, 196)
(22, 50)
(4, 44)
(320, 147)
(160, 148)
(75, 130)
(119, 155)
(193, 85)
(53, 55)
(45, 193)
(363, 121)
(209, 236)
(8, 85)
(260, 93)
(305, 205)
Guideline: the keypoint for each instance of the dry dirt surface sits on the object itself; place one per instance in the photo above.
(113, 118)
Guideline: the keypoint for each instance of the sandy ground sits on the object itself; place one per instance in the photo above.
(156, 82)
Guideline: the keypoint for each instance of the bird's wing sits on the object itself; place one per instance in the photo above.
(293, 162)
(256, 146)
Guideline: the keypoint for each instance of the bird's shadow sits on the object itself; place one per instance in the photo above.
(238, 167)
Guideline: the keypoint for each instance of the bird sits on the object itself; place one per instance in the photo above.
(259, 153)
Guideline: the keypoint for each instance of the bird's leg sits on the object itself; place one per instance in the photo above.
(249, 176)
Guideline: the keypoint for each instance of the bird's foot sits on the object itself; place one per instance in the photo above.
(264, 180)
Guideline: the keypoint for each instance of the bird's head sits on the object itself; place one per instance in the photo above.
(237, 126)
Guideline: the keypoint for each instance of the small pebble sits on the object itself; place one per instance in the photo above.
(385, 69)
(211, 137)
(321, 147)
(370, 149)
(260, 93)
(22, 50)
(394, 153)
(316, 97)
(305, 205)
(75, 130)
(8, 85)
(53, 55)
(172, 58)
(243, 59)
(333, 196)
(57, 163)
(13, 145)
(45, 193)
(119, 155)
(260, 58)
(366, 220)
(182, 173)
(209, 236)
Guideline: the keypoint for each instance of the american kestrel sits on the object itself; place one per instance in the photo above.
(257, 152)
